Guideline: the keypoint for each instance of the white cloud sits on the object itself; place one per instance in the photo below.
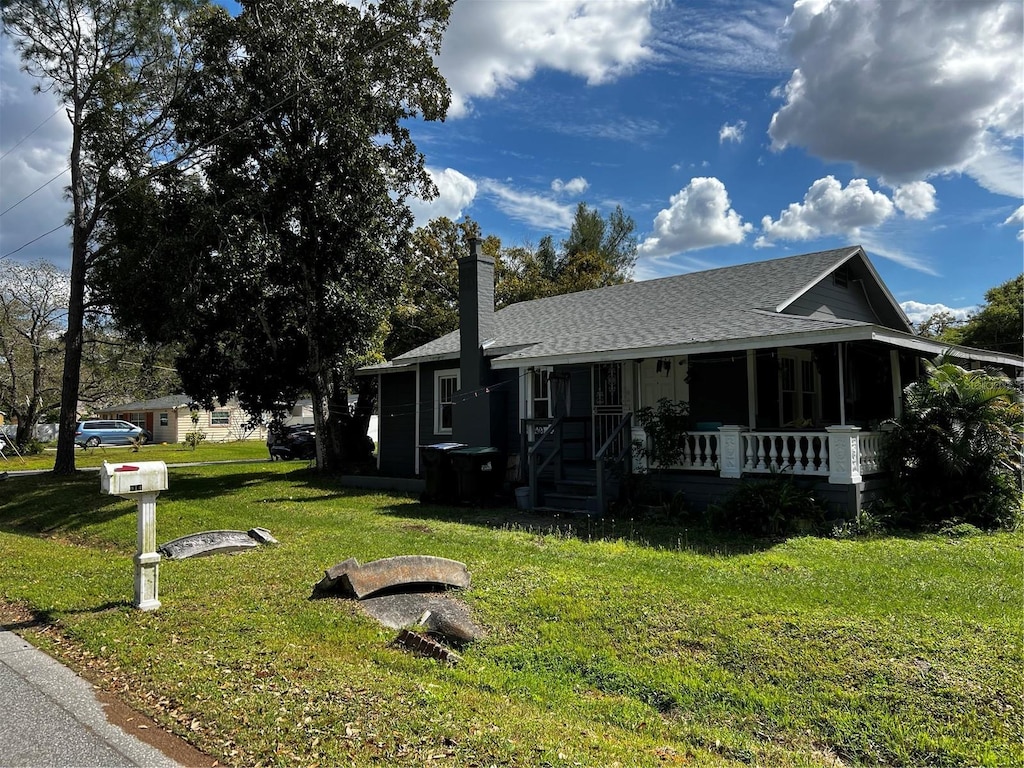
(828, 209)
(917, 312)
(491, 46)
(732, 133)
(1017, 217)
(455, 192)
(907, 88)
(535, 210)
(698, 216)
(576, 186)
(916, 200)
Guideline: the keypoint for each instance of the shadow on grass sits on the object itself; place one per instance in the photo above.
(14, 617)
(686, 536)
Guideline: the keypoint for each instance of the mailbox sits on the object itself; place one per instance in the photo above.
(133, 478)
(141, 481)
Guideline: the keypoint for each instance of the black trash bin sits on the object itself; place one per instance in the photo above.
(479, 472)
(438, 474)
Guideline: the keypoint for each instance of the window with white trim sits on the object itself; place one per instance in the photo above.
(163, 419)
(446, 384)
(220, 418)
(541, 393)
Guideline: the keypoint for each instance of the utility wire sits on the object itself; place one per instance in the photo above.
(29, 134)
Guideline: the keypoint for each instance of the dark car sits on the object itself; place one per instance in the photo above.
(297, 442)
(93, 432)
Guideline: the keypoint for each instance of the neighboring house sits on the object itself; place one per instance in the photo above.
(169, 419)
(789, 364)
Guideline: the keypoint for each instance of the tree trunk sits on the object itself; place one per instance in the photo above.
(65, 461)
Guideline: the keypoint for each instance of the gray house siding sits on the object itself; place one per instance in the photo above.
(398, 424)
(829, 300)
(427, 402)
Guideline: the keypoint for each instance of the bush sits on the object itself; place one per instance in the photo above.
(955, 453)
(769, 507)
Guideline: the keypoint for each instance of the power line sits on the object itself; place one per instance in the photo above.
(29, 134)
(37, 189)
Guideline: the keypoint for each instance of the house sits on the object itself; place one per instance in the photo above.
(787, 365)
(170, 418)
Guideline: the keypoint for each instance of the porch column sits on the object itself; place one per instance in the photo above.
(842, 382)
(843, 455)
(731, 456)
(752, 388)
(897, 383)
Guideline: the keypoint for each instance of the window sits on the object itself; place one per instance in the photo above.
(220, 418)
(163, 420)
(799, 395)
(138, 419)
(446, 384)
(541, 394)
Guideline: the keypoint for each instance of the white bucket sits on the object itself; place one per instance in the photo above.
(523, 497)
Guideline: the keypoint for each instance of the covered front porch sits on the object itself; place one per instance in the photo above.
(814, 412)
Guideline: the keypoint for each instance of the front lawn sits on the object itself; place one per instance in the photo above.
(172, 453)
(608, 644)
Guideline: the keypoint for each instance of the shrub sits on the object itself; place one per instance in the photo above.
(955, 453)
(771, 507)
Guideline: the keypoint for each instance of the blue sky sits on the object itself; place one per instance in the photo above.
(730, 131)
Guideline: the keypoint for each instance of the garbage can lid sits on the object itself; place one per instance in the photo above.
(445, 446)
(476, 451)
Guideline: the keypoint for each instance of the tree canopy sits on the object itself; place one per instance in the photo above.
(280, 262)
(597, 252)
(115, 65)
(998, 324)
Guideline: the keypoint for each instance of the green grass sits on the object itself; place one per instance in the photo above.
(607, 644)
(172, 453)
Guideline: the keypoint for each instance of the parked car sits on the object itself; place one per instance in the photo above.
(298, 442)
(93, 432)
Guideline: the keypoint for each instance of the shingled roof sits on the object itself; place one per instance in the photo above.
(716, 305)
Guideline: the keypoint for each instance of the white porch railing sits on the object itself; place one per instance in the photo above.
(802, 453)
(843, 455)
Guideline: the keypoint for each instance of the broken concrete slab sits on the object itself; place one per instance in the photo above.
(444, 616)
(215, 543)
(403, 572)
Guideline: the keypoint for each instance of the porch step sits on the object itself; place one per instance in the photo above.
(570, 501)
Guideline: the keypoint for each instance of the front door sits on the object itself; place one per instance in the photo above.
(611, 393)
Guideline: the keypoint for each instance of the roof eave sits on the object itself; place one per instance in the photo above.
(852, 333)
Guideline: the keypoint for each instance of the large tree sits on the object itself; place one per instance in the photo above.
(115, 65)
(282, 260)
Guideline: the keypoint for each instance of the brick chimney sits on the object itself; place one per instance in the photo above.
(476, 314)
(477, 414)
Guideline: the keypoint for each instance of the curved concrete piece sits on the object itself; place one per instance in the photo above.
(438, 614)
(392, 573)
(215, 543)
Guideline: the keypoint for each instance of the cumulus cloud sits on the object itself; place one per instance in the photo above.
(537, 211)
(907, 88)
(828, 209)
(698, 216)
(490, 46)
(455, 192)
(576, 186)
(1016, 218)
(916, 200)
(732, 132)
(918, 312)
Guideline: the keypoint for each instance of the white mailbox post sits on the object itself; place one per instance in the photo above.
(142, 482)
